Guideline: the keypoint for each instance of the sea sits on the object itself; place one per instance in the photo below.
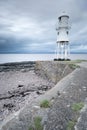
(8, 58)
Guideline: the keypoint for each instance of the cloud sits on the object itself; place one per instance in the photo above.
(79, 49)
(29, 26)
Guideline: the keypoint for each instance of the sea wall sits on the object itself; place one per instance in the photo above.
(53, 71)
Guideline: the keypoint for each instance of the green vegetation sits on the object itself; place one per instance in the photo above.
(79, 61)
(76, 61)
(71, 125)
(31, 128)
(37, 124)
(73, 66)
(45, 104)
(77, 106)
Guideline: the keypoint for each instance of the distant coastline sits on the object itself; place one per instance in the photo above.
(39, 53)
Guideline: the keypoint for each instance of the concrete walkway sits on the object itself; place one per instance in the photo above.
(74, 91)
(83, 64)
(82, 120)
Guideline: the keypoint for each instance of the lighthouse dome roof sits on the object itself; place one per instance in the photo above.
(63, 14)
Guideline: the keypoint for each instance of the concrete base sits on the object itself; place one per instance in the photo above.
(59, 59)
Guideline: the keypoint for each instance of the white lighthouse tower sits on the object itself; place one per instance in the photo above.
(63, 27)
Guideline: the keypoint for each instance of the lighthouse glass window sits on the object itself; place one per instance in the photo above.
(64, 20)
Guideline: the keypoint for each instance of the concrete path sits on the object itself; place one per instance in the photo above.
(72, 91)
(83, 64)
(82, 120)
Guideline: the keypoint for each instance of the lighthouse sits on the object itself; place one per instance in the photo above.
(63, 47)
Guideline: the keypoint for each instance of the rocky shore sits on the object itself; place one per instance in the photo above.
(19, 84)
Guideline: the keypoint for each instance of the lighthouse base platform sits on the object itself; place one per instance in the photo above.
(60, 59)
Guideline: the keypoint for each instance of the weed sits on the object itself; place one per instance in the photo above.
(45, 104)
(31, 128)
(71, 125)
(37, 124)
(73, 66)
(77, 106)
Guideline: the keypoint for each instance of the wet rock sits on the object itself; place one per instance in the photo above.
(58, 93)
(39, 92)
(6, 96)
(44, 87)
(17, 66)
(9, 106)
(20, 85)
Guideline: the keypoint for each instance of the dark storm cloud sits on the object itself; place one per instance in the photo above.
(29, 25)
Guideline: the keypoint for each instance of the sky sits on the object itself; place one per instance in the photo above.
(29, 26)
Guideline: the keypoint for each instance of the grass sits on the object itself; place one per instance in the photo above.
(76, 61)
(45, 104)
(71, 125)
(79, 61)
(37, 124)
(77, 106)
(31, 128)
(73, 66)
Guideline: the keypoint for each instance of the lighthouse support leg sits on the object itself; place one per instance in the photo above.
(57, 50)
(68, 51)
(61, 51)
